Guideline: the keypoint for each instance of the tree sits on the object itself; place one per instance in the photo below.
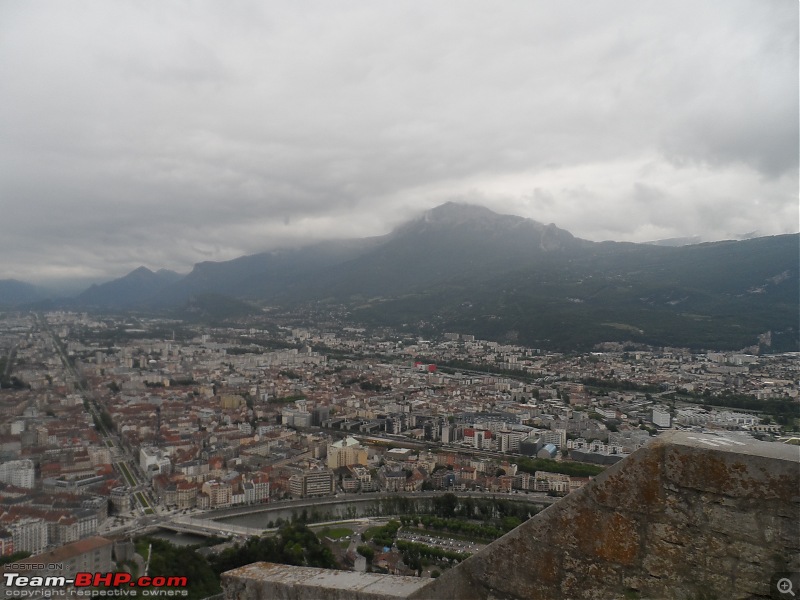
(445, 505)
(510, 523)
(367, 552)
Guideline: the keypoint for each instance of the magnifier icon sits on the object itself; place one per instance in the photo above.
(784, 586)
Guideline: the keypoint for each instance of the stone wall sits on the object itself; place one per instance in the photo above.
(688, 516)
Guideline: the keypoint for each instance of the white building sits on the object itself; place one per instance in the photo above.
(557, 437)
(256, 491)
(30, 535)
(662, 418)
(19, 473)
(154, 462)
(508, 441)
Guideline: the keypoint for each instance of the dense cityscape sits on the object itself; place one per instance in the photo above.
(110, 423)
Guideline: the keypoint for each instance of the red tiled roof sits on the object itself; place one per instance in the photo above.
(69, 551)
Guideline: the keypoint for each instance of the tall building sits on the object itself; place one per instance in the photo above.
(313, 482)
(557, 437)
(19, 473)
(186, 494)
(509, 441)
(296, 418)
(662, 418)
(346, 452)
(256, 490)
(319, 483)
(319, 415)
(219, 493)
(6, 543)
(29, 535)
(120, 499)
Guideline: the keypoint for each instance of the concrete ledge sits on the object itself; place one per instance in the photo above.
(285, 582)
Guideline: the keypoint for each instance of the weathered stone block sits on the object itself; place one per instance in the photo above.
(664, 559)
(733, 523)
(636, 488)
(673, 533)
(729, 471)
(611, 537)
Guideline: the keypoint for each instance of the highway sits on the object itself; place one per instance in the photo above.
(11, 356)
(121, 458)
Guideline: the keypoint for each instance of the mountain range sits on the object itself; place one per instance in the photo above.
(465, 268)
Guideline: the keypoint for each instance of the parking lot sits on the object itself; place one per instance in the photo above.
(440, 541)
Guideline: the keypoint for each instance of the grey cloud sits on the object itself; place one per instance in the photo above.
(166, 134)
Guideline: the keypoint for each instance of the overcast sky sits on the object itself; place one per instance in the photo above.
(167, 133)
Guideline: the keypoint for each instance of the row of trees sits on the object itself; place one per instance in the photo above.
(615, 383)
(414, 554)
(573, 469)
(462, 526)
(167, 560)
(295, 544)
(449, 506)
(445, 506)
(6, 379)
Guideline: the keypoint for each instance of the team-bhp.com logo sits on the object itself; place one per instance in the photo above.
(92, 585)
